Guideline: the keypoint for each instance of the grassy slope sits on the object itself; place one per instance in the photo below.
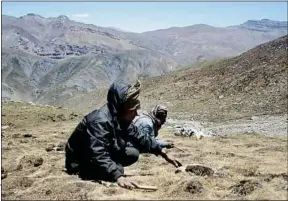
(253, 83)
(234, 159)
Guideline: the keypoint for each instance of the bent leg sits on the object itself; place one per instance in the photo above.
(130, 156)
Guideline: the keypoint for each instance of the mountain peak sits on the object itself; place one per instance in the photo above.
(34, 15)
(62, 17)
(264, 23)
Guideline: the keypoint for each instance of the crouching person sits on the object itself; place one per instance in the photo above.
(98, 150)
(150, 123)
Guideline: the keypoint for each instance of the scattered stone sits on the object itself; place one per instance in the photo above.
(73, 116)
(61, 117)
(245, 187)
(5, 127)
(199, 170)
(58, 147)
(25, 182)
(254, 118)
(194, 187)
(38, 162)
(269, 177)
(31, 161)
(28, 136)
(3, 173)
(220, 97)
(49, 148)
(48, 192)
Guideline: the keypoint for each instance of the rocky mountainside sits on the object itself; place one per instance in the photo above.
(48, 60)
(203, 42)
(253, 83)
(61, 37)
(34, 78)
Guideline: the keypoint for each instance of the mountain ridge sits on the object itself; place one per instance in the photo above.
(68, 46)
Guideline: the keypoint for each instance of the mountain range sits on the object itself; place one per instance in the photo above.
(49, 60)
(251, 84)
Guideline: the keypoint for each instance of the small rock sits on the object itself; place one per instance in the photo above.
(245, 187)
(4, 127)
(199, 170)
(38, 162)
(50, 148)
(3, 173)
(28, 135)
(16, 135)
(29, 161)
(61, 117)
(24, 141)
(254, 118)
(25, 182)
(180, 169)
(48, 192)
(194, 187)
(220, 97)
(31, 103)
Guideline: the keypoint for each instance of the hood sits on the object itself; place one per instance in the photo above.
(116, 95)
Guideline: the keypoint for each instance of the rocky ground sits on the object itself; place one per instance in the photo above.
(265, 125)
(243, 165)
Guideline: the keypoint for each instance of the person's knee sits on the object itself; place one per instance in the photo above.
(132, 155)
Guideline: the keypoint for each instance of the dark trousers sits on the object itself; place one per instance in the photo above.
(90, 171)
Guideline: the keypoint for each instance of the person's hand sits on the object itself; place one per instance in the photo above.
(170, 145)
(125, 183)
(174, 162)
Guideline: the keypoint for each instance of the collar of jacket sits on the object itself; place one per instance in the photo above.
(154, 121)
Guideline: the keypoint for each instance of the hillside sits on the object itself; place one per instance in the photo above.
(202, 42)
(253, 83)
(30, 77)
(57, 58)
(246, 166)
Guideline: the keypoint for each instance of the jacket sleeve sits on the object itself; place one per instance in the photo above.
(99, 142)
(145, 143)
(146, 128)
(162, 143)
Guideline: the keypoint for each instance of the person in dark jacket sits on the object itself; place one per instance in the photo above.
(98, 150)
(150, 123)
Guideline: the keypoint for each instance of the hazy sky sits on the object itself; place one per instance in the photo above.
(147, 16)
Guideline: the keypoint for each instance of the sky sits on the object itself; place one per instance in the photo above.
(148, 16)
